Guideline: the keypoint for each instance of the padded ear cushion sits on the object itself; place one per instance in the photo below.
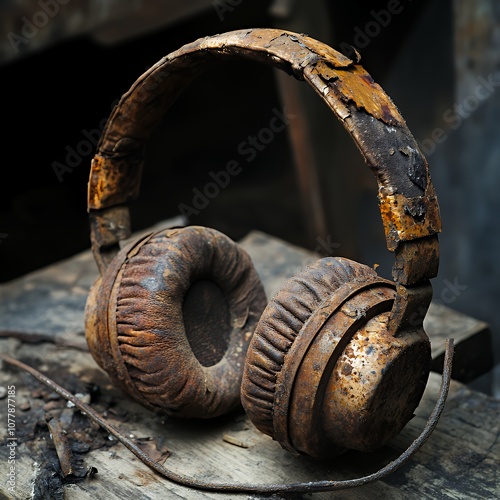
(280, 326)
(181, 312)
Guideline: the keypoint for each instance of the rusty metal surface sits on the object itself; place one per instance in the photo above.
(416, 261)
(354, 84)
(310, 425)
(408, 204)
(123, 171)
(345, 86)
(137, 325)
(407, 219)
(298, 397)
(305, 381)
(376, 385)
(279, 327)
(324, 372)
(107, 228)
(410, 308)
(425, 251)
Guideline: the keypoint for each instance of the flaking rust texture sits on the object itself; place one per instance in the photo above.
(296, 54)
(114, 175)
(351, 81)
(407, 219)
(354, 84)
(408, 204)
(324, 373)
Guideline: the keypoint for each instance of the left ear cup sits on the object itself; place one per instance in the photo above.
(171, 320)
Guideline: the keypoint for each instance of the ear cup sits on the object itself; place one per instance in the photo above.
(315, 373)
(171, 320)
(280, 326)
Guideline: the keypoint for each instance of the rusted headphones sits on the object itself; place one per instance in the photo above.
(338, 358)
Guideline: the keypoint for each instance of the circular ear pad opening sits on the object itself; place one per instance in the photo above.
(171, 320)
(322, 373)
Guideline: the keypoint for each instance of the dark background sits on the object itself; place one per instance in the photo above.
(427, 58)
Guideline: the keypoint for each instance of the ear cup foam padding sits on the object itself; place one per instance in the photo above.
(280, 325)
(182, 310)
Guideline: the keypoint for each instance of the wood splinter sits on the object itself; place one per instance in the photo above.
(235, 441)
(62, 446)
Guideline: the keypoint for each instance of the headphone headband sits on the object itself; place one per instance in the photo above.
(407, 199)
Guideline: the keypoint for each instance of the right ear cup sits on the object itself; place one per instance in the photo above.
(171, 318)
(322, 373)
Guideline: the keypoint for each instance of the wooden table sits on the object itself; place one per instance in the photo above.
(41, 320)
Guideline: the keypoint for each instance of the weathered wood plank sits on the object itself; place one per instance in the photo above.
(474, 343)
(460, 460)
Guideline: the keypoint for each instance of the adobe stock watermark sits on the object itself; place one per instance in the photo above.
(325, 247)
(223, 6)
(83, 149)
(248, 150)
(153, 81)
(10, 480)
(31, 27)
(455, 116)
(449, 293)
(379, 20)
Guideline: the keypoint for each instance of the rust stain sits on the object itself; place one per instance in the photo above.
(354, 84)
(113, 181)
(404, 219)
(378, 375)
(324, 51)
(368, 79)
